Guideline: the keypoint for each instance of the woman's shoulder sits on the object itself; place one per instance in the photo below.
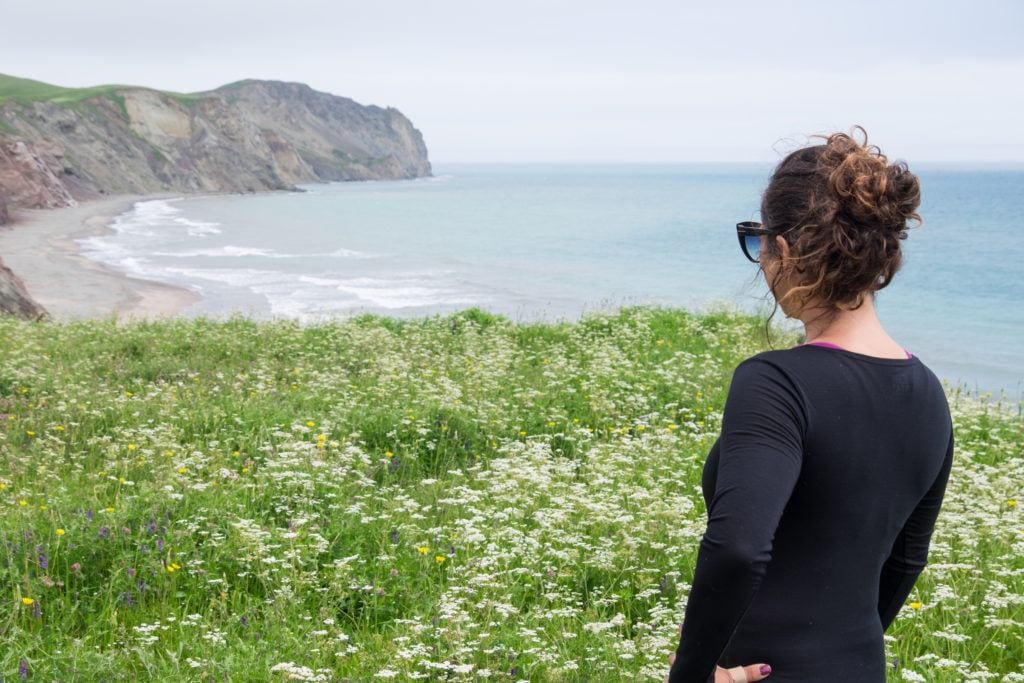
(815, 369)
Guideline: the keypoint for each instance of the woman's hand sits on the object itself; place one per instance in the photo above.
(736, 674)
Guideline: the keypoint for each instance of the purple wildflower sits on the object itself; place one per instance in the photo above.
(89, 514)
(104, 532)
(42, 561)
(394, 535)
(23, 669)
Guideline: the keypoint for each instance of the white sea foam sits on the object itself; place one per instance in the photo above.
(233, 250)
(394, 292)
(153, 213)
(198, 228)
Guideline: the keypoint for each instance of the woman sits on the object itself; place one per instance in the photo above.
(824, 486)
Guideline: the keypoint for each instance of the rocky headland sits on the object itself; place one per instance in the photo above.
(61, 146)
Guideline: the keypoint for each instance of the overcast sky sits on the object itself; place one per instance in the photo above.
(587, 80)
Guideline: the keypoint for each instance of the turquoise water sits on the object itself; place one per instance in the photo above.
(549, 242)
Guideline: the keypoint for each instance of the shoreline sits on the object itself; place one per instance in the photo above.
(38, 246)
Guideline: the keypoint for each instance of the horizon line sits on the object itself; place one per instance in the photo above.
(1016, 163)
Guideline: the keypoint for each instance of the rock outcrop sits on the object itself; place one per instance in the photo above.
(246, 136)
(14, 298)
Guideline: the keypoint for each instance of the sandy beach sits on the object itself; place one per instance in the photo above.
(39, 247)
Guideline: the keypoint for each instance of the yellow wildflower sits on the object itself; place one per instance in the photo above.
(522, 433)
(132, 447)
(439, 558)
(59, 532)
(388, 454)
(27, 601)
(1011, 503)
(423, 550)
(22, 503)
(245, 470)
(310, 423)
(60, 428)
(30, 432)
(109, 509)
(182, 470)
(42, 507)
(551, 423)
(915, 605)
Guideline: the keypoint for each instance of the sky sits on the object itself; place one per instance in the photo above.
(579, 81)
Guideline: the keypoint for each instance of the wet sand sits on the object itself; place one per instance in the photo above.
(39, 247)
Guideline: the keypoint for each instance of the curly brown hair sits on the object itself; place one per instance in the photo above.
(843, 210)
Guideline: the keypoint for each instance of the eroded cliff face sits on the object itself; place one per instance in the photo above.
(247, 136)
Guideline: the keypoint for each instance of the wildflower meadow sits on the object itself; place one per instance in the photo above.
(460, 497)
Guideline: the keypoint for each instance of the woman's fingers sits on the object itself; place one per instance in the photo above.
(757, 672)
(742, 674)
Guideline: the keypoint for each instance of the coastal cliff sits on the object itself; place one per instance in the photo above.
(62, 145)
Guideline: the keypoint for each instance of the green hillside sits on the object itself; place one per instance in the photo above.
(26, 90)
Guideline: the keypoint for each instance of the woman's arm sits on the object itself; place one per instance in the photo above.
(910, 551)
(761, 452)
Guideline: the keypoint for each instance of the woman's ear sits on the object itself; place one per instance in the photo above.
(783, 247)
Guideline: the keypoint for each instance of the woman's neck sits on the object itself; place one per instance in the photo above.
(859, 326)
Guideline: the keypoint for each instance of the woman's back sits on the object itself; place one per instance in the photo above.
(848, 455)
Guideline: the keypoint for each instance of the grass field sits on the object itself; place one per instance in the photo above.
(25, 90)
(450, 498)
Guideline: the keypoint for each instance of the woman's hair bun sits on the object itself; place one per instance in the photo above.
(843, 210)
(870, 191)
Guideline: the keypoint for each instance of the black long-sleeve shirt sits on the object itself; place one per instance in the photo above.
(822, 493)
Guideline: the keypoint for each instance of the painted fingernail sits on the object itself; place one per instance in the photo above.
(765, 669)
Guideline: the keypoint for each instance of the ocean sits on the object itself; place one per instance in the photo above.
(552, 242)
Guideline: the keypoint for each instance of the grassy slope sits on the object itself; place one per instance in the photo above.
(240, 500)
(25, 90)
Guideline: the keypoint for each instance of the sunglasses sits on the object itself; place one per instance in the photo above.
(749, 234)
